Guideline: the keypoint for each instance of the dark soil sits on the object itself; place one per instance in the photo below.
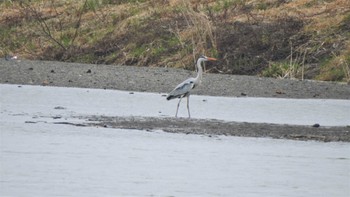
(149, 79)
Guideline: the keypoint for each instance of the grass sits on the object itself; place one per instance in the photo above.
(283, 70)
(291, 39)
(336, 68)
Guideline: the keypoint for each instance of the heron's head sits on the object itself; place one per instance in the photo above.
(205, 58)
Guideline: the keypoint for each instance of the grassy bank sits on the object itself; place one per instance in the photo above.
(304, 39)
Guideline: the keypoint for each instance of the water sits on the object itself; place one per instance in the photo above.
(42, 101)
(46, 159)
(61, 160)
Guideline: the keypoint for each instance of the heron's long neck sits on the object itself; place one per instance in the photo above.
(200, 71)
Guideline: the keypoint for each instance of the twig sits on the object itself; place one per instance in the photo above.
(44, 27)
(78, 22)
(291, 60)
(303, 65)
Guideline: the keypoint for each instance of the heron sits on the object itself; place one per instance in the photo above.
(184, 89)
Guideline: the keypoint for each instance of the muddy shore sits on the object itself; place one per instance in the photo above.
(163, 80)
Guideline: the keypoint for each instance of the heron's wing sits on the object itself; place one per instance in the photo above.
(182, 89)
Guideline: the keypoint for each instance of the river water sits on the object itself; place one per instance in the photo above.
(40, 158)
(44, 101)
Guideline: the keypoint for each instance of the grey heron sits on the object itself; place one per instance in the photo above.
(184, 89)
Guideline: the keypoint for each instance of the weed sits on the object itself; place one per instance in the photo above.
(282, 70)
(224, 5)
(200, 32)
(139, 51)
(262, 6)
(92, 5)
(311, 3)
(276, 70)
(85, 58)
(336, 68)
(7, 3)
(273, 38)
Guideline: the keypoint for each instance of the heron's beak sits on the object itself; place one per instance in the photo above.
(211, 59)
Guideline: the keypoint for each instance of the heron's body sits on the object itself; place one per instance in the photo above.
(184, 89)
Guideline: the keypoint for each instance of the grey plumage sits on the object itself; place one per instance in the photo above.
(184, 88)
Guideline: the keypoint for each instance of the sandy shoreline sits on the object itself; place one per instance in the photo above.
(164, 79)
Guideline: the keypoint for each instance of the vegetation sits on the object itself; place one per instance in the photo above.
(304, 39)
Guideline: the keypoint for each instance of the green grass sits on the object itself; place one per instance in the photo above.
(157, 32)
(138, 51)
(282, 69)
(335, 68)
(93, 5)
(86, 58)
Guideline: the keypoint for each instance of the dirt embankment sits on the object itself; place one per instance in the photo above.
(297, 39)
(154, 79)
(164, 79)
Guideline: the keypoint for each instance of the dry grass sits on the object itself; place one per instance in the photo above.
(199, 31)
(337, 68)
(308, 37)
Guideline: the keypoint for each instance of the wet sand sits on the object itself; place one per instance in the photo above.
(164, 79)
(216, 127)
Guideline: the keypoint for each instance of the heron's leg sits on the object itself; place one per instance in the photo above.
(177, 109)
(188, 106)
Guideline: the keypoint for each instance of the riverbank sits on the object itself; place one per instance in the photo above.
(155, 79)
(162, 80)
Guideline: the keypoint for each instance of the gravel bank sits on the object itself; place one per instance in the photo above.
(145, 79)
(164, 79)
